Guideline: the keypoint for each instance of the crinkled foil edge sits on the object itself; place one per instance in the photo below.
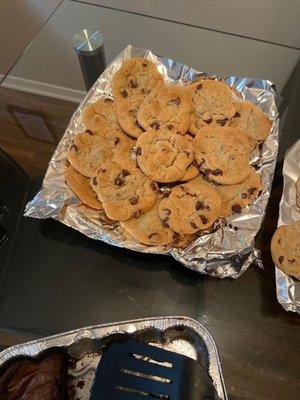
(225, 252)
(288, 288)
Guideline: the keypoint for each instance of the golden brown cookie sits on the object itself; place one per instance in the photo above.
(136, 78)
(126, 114)
(163, 156)
(189, 207)
(235, 197)
(251, 120)
(222, 154)
(101, 115)
(124, 191)
(212, 104)
(89, 151)
(191, 172)
(285, 249)
(149, 229)
(166, 108)
(81, 187)
(182, 241)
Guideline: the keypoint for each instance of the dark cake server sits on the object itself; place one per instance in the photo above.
(134, 370)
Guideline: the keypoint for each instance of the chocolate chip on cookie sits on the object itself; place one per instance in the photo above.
(90, 151)
(133, 83)
(138, 151)
(119, 181)
(154, 125)
(134, 200)
(203, 219)
(185, 209)
(167, 107)
(236, 208)
(81, 187)
(164, 156)
(135, 79)
(124, 191)
(222, 154)
(235, 197)
(212, 104)
(148, 228)
(222, 122)
(126, 115)
(200, 205)
(285, 249)
(125, 172)
(251, 120)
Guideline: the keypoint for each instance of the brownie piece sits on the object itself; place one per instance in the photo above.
(44, 379)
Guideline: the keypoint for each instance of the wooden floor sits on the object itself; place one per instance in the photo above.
(31, 126)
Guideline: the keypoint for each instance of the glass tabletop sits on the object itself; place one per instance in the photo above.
(49, 66)
(55, 279)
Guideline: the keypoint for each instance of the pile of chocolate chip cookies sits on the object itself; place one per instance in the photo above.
(166, 161)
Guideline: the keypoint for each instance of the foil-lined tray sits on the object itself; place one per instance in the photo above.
(225, 252)
(179, 334)
(288, 288)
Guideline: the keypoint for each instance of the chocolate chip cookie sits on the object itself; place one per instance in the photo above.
(182, 241)
(124, 191)
(167, 108)
(126, 115)
(81, 187)
(190, 207)
(235, 197)
(89, 151)
(285, 249)
(251, 120)
(222, 154)
(149, 229)
(136, 78)
(191, 172)
(163, 156)
(212, 104)
(101, 115)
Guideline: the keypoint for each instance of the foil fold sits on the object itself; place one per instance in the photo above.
(287, 287)
(225, 252)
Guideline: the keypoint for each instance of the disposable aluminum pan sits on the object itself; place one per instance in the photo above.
(288, 288)
(225, 252)
(179, 334)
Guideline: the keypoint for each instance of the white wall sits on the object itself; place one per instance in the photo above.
(276, 21)
(52, 60)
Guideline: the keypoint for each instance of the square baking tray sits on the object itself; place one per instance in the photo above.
(84, 346)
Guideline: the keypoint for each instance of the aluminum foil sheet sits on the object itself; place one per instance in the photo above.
(225, 252)
(179, 334)
(288, 288)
